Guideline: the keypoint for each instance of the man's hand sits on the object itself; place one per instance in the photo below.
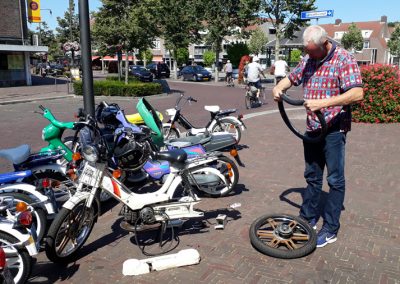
(276, 94)
(315, 105)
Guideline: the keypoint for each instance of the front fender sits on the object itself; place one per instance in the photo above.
(29, 190)
(75, 199)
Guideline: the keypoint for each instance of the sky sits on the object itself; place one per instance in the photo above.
(346, 10)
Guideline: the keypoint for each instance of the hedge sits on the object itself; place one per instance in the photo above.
(117, 88)
(381, 102)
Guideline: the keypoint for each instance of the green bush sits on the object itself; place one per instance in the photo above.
(130, 78)
(117, 88)
(381, 102)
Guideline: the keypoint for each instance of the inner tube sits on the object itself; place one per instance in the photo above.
(298, 133)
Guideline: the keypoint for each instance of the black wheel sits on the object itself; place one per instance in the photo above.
(170, 133)
(230, 126)
(18, 261)
(38, 215)
(69, 232)
(282, 236)
(321, 118)
(213, 185)
(247, 98)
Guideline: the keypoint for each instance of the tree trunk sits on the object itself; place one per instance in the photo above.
(126, 67)
(170, 62)
(175, 66)
(217, 62)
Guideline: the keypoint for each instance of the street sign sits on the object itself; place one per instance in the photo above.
(316, 14)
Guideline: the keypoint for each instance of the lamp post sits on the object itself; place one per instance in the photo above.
(40, 26)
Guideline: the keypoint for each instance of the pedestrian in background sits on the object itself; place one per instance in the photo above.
(331, 81)
(279, 69)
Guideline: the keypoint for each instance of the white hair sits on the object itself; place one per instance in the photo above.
(315, 34)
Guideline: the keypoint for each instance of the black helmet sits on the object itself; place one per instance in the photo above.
(107, 116)
(131, 154)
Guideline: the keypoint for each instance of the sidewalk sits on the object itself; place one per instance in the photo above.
(54, 88)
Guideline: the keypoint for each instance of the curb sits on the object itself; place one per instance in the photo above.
(34, 99)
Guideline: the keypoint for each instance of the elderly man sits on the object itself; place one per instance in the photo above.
(331, 81)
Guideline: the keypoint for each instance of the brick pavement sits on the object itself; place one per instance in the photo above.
(367, 250)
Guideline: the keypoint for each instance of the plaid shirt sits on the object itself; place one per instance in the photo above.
(335, 74)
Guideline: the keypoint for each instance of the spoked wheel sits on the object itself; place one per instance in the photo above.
(18, 261)
(247, 100)
(69, 231)
(38, 214)
(283, 236)
(230, 126)
(219, 179)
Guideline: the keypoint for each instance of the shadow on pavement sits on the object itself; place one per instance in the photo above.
(301, 191)
(149, 241)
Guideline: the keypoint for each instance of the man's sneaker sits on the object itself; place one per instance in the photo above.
(324, 237)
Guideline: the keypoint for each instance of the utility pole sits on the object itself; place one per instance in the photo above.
(86, 57)
(71, 36)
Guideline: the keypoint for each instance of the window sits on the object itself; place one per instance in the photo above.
(366, 44)
(156, 44)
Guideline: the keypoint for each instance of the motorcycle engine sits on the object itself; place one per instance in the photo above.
(147, 215)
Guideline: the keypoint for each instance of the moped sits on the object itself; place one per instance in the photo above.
(17, 240)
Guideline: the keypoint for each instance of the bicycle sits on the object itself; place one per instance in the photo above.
(229, 81)
(251, 98)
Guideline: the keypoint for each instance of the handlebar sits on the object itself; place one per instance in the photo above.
(188, 99)
(42, 107)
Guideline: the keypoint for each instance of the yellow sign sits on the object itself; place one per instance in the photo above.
(34, 11)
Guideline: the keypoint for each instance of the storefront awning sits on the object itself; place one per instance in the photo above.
(23, 48)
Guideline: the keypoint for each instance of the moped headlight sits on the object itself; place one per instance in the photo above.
(90, 153)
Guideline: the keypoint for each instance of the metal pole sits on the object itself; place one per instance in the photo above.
(87, 76)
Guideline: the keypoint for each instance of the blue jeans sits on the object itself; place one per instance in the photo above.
(330, 152)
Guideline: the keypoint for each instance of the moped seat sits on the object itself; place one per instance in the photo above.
(175, 156)
(226, 112)
(16, 155)
(7, 177)
(212, 109)
(189, 140)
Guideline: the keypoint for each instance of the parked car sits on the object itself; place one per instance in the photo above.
(195, 73)
(141, 73)
(235, 73)
(159, 70)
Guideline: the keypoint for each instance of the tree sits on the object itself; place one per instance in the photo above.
(352, 39)
(208, 58)
(227, 17)
(128, 24)
(257, 42)
(295, 55)
(182, 55)
(236, 51)
(394, 42)
(47, 38)
(145, 56)
(178, 24)
(284, 17)
(68, 27)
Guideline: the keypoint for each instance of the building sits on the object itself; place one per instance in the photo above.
(375, 35)
(15, 49)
